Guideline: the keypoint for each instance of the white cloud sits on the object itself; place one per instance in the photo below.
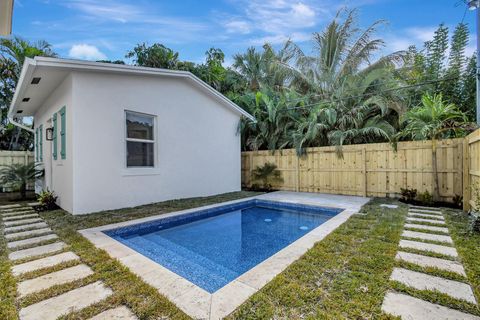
(238, 26)
(278, 39)
(86, 51)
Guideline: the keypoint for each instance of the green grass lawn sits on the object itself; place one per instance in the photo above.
(345, 276)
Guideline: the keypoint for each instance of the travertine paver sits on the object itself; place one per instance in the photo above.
(37, 251)
(29, 233)
(424, 227)
(20, 217)
(427, 211)
(38, 225)
(55, 278)
(426, 216)
(20, 243)
(21, 222)
(420, 220)
(43, 263)
(389, 206)
(119, 313)
(422, 281)
(411, 308)
(8, 206)
(421, 207)
(425, 261)
(427, 236)
(448, 251)
(16, 213)
(73, 300)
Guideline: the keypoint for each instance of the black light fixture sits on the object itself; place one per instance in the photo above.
(49, 134)
(36, 80)
(25, 99)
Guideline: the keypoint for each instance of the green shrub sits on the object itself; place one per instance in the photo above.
(408, 195)
(47, 200)
(425, 198)
(267, 175)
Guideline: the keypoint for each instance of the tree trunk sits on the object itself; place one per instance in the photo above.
(436, 188)
(23, 191)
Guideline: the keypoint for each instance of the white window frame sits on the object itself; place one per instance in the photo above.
(140, 169)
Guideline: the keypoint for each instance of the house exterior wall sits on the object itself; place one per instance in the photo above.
(197, 146)
(58, 173)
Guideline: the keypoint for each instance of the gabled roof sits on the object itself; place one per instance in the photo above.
(52, 71)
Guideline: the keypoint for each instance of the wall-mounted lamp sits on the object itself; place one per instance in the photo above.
(49, 134)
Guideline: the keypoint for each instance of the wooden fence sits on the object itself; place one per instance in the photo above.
(471, 174)
(368, 169)
(11, 157)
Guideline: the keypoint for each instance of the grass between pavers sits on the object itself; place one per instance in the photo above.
(428, 253)
(8, 284)
(468, 246)
(441, 233)
(345, 276)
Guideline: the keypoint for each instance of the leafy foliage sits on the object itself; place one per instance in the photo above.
(268, 174)
(47, 199)
(13, 52)
(19, 175)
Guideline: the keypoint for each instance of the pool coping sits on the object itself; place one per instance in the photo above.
(190, 298)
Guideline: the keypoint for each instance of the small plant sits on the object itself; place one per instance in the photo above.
(408, 195)
(458, 200)
(425, 198)
(19, 176)
(267, 175)
(47, 200)
(475, 223)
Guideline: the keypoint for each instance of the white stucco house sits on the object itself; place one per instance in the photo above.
(113, 136)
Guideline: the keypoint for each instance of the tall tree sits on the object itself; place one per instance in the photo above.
(13, 52)
(154, 56)
(435, 119)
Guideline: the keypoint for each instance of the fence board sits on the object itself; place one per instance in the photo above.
(13, 157)
(366, 170)
(471, 169)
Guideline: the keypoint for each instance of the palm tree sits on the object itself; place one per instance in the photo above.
(433, 120)
(354, 97)
(13, 52)
(267, 175)
(19, 175)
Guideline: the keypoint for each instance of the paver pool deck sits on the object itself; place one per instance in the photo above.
(199, 303)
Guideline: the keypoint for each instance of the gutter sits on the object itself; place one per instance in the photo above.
(12, 121)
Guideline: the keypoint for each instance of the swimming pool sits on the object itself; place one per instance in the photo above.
(212, 247)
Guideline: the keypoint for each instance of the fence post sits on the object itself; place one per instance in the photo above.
(466, 174)
(364, 160)
(297, 173)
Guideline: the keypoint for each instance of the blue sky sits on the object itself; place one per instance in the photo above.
(107, 29)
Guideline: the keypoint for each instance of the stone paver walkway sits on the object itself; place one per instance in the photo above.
(34, 247)
(424, 243)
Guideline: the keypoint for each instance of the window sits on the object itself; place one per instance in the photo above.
(63, 141)
(54, 136)
(140, 138)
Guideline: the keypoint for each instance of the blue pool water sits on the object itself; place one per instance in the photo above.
(212, 247)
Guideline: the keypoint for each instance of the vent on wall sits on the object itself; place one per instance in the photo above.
(36, 80)
(26, 99)
(19, 111)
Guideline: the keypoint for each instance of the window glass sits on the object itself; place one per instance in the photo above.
(139, 126)
(140, 154)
